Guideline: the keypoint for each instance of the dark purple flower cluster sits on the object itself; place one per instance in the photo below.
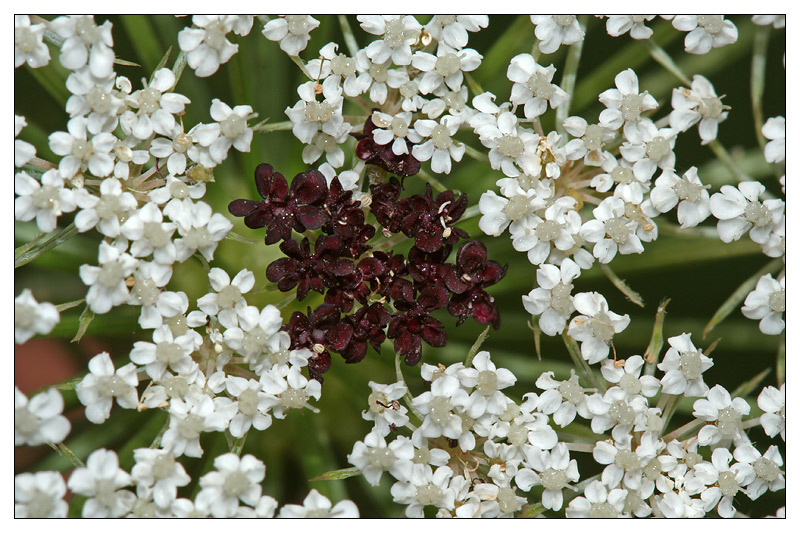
(396, 295)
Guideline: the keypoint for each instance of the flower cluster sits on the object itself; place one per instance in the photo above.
(395, 294)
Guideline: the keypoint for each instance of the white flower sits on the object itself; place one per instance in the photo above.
(292, 31)
(97, 98)
(23, 151)
(32, 317)
(628, 377)
(649, 147)
(589, 143)
(209, 47)
(488, 380)
(596, 326)
(552, 299)
(309, 115)
(705, 32)
(40, 495)
(399, 32)
(679, 505)
(101, 480)
(617, 25)
(700, 104)
(683, 367)
(440, 408)
(553, 470)
(315, 505)
(611, 231)
(85, 43)
(175, 191)
(289, 389)
(150, 234)
(726, 415)
(347, 178)
(343, 68)
(107, 282)
(767, 303)
(253, 405)
(540, 236)
(687, 192)
(767, 469)
(156, 106)
(233, 129)
(727, 481)
(328, 144)
(617, 409)
(394, 129)
(562, 399)
(598, 502)
(446, 68)
(425, 487)
(774, 129)
(452, 29)
(739, 210)
(201, 229)
(39, 420)
(167, 351)
(773, 402)
(515, 207)
(255, 332)
(102, 385)
(533, 86)
(191, 415)
(555, 30)
(379, 76)
(626, 465)
(28, 43)
(373, 457)
(625, 104)
(235, 479)
(384, 408)
(227, 301)
(106, 211)
(440, 148)
(80, 152)
(512, 148)
(175, 149)
(158, 472)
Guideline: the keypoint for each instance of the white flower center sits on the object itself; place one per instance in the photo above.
(540, 86)
(571, 392)
(563, 20)
(631, 107)
(766, 469)
(25, 422)
(87, 30)
(448, 64)
(145, 292)
(25, 39)
(197, 238)
(622, 175)
(622, 413)
(110, 274)
(190, 427)
(396, 33)
(507, 499)
(254, 340)
(593, 138)
(169, 353)
(342, 65)
(296, 24)
(691, 366)
(175, 386)
(429, 494)
(215, 35)
(99, 100)
(318, 111)
(39, 505)
(711, 23)
(177, 325)
(687, 190)
(163, 466)
(235, 484)
(379, 73)
(381, 458)
(248, 402)
(757, 213)
(82, 149)
(517, 435)
(547, 230)
(627, 460)
(46, 197)
(399, 127)
(711, 107)
(510, 146)
(179, 190)
(111, 386)
(228, 296)
(233, 126)
(777, 301)
(487, 383)
(658, 148)
(727, 483)
(729, 422)
(617, 229)
(602, 510)
(441, 137)
(155, 234)
(441, 410)
(150, 100)
(630, 384)
(553, 479)
(560, 297)
(182, 142)
(294, 398)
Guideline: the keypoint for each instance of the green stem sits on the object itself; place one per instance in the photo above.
(569, 76)
(349, 38)
(299, 62)
(275, 126)
(683, 430)
(24, 256)
(620, 284)
(726, 158)
(407, 398)
(437, 185)
(583, 367)
(758, 70)
(475, 154)
(663, 58)
(532, 511)
(475, 347)
(653, 352)
(63, 450)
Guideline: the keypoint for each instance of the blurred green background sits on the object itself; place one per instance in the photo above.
(697, 273)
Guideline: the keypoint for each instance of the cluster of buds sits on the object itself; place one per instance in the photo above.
(369, 294)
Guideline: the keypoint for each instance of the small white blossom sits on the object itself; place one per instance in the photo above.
(207, 46)
(687, 192)
(28, 43)
(102, 385)
(95, 98)
(683, 366)
(85, 43)
(596, 326)
(106, 211)
(726, 481)
(39, 420)
(774, 129)
(724, 413)
(253, 404)
(767, 303)
(555, 30)
(562, 399)
(611, 231)
(617, 25)
(385, 410)
(200, 228)
(315, 505)
(553, 470)
(488, 381)
(102, 480)
(292, 31)
(166, 351)
(425, 487)
(739, 211)
(106, 282)
(192, 415)
(398, 33)
(23, 151)
(705, 32)
(235, 479)
(552, 299)
(446, 68)
(32, 317)
(81, 152)
(373, 457)
(158, 472)
(625, 104)
(767, 469)
(439, 147)
(650, 147)
(700, 104)
(533, 86)
(156, 106)
(773, 402)
(598, 502)
(40, 495)
(452, 29)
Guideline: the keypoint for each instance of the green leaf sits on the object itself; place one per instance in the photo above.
(83, 323)
(738, 296)
(24, 255)
(69, 305)
(344, 473)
